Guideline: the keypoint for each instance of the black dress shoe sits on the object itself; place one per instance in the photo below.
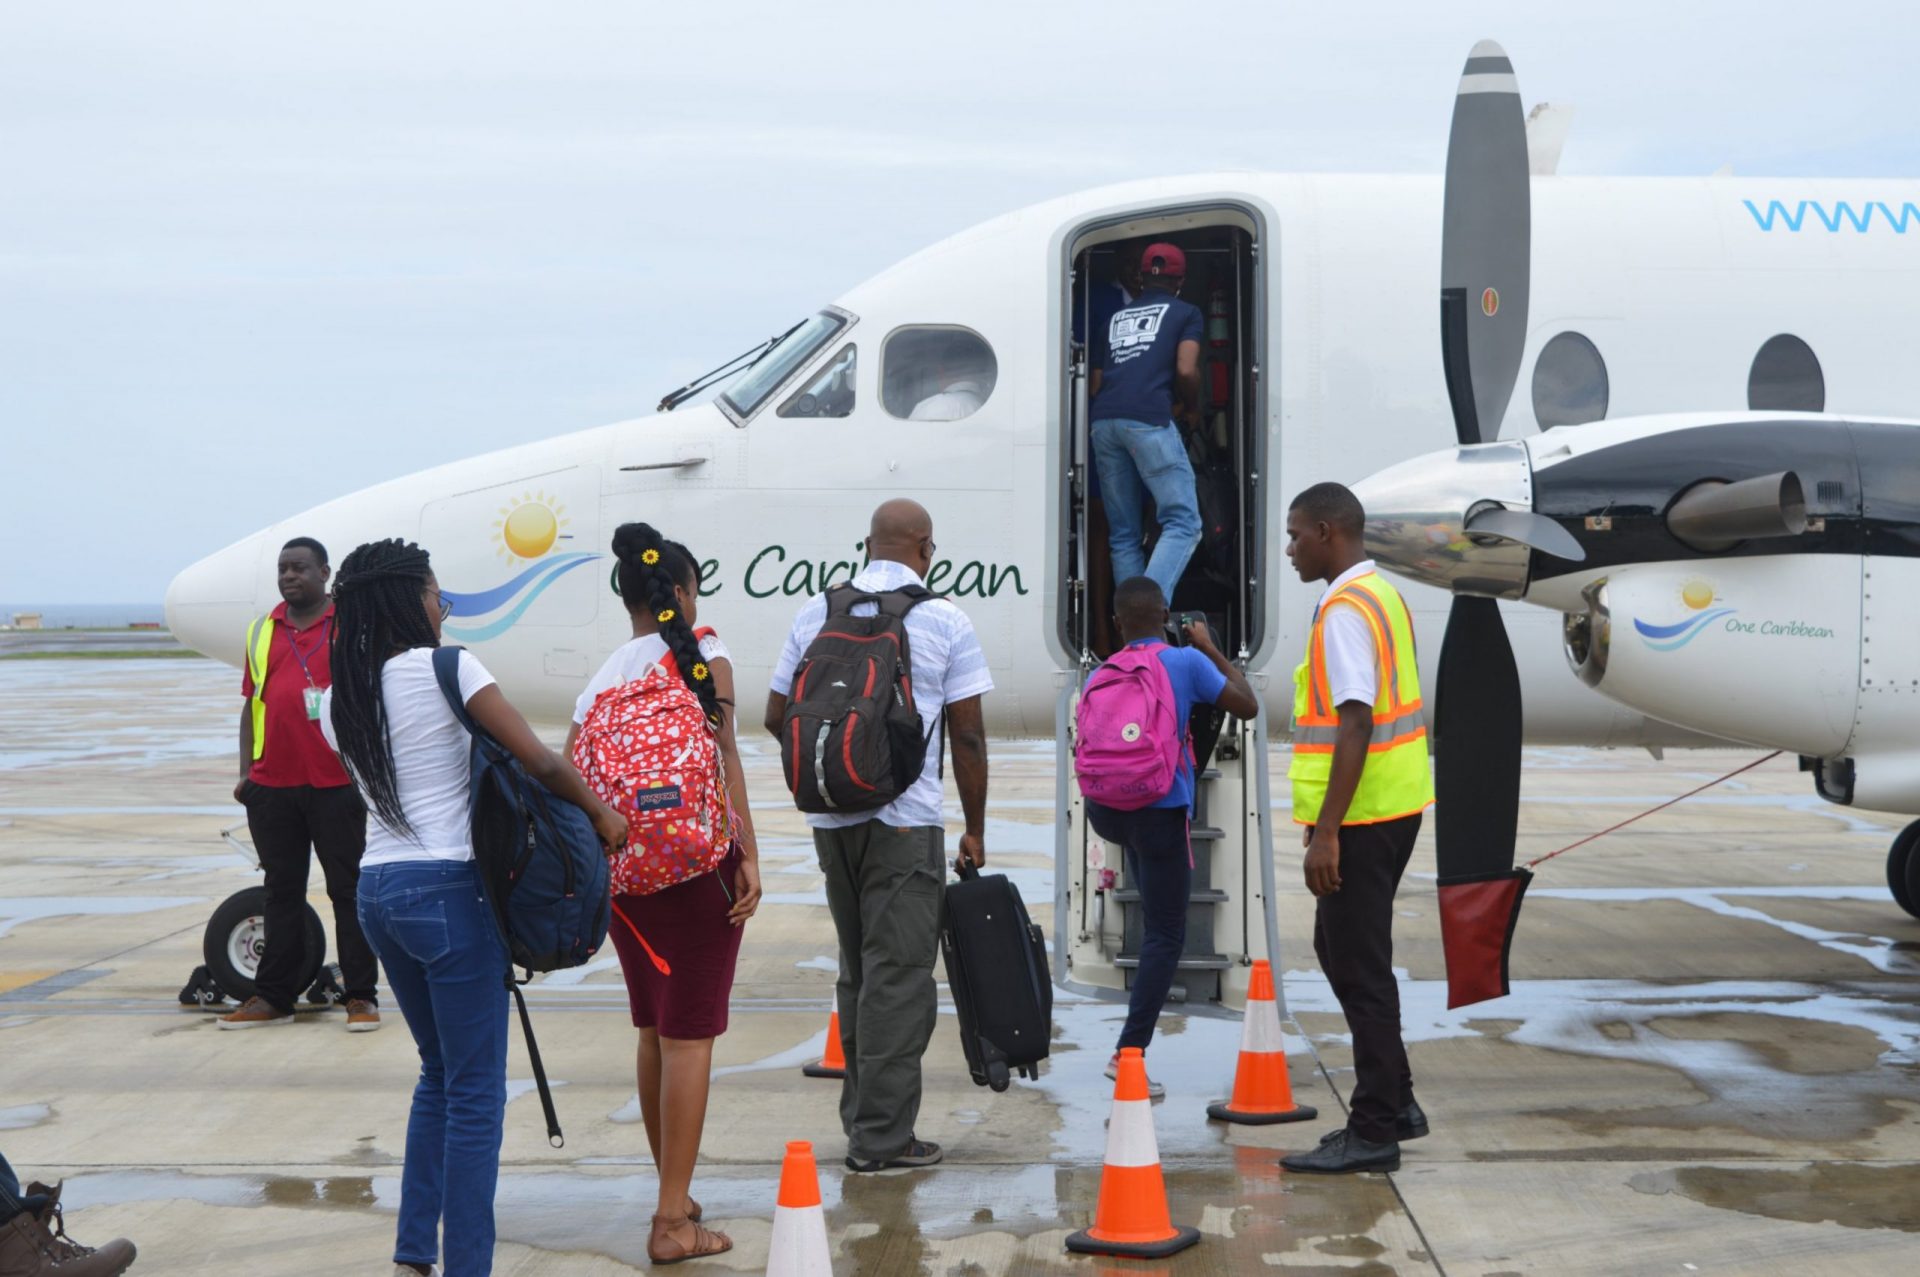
(1410, 1125)
(1344, 1153)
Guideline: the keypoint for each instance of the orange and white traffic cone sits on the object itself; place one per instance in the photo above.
(1262, 1095)
(834, 1062)
(1131, 1218)
(799, 1244)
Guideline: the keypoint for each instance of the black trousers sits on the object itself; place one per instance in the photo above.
(285, 823)
(1160, 865)
(1353, 936)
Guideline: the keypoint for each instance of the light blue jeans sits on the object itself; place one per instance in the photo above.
(436, 937)
(1135, 458)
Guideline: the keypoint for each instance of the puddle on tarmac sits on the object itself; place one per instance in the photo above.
(22, 1116)
(884, 1224)
(1851, 1194)
(1775, 1059)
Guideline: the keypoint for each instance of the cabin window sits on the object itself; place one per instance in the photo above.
(1786, 377)
(931, 373)
(830, 393)
(1569, 382)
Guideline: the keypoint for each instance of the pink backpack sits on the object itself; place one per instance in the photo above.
(1129, 746)
(647, 749)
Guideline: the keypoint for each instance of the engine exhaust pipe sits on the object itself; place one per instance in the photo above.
(1712, 516)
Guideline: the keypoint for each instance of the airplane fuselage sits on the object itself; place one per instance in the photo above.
(1677, 283)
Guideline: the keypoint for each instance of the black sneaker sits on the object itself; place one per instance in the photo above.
(917, 1153)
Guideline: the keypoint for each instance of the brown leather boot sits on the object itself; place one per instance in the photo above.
(21, 1254)
(62, 1256)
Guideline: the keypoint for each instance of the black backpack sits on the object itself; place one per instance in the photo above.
(851, 739)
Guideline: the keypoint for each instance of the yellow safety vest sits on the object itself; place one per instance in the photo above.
(1397, 780)
(259, 641)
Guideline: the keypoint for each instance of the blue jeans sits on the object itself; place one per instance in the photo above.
(1135, 458)
(436, 937)
(1160, 867)
(12, 1200)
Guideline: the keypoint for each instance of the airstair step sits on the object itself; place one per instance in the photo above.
(1188, 962)
(1199, 896)
(1206, 833)
(1211, 773)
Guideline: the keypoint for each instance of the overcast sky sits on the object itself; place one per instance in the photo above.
(255, 256)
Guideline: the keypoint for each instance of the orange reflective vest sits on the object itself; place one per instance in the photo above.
(1398, 780)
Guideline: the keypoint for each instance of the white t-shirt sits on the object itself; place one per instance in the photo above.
(632, 659)
(431, 766)
(948, 666)
(955, 403)
(1352, 664)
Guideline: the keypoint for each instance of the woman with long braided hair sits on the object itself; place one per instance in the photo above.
(694, 925)
(420, 902)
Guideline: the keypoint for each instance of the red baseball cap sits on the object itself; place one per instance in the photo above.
(1164, 259)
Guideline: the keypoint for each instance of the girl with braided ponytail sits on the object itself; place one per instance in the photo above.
(696, 924)
(419, 900)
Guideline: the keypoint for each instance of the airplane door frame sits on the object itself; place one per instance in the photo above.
(1070, 625)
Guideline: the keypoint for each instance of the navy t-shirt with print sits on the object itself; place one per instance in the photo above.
(1138, 356)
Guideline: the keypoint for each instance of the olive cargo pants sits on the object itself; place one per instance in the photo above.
(884, 889)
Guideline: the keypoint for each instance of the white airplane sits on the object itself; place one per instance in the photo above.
(1647, 294)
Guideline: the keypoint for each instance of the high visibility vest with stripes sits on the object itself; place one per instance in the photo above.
(1397, 780)
(259, 642)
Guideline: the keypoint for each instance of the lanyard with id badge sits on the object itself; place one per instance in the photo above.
(311, 693)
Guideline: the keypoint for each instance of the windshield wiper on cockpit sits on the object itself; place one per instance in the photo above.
(739, 363)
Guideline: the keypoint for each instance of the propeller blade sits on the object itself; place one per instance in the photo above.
(1485, 245)
(1476, 743)
(1529, 529)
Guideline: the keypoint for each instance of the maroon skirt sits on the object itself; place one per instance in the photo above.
(686, 925)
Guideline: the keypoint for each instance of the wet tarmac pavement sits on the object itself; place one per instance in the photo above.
(1710, 1062)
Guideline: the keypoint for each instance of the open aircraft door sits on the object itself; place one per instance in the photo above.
(1231, 922)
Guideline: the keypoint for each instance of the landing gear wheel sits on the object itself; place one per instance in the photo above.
(1903, 869)
(237, 936)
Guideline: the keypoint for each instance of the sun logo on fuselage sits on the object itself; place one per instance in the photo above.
(1697, 594)
(529, 525)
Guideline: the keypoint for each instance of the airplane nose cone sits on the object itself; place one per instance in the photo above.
(210, 603)
(1418, 512)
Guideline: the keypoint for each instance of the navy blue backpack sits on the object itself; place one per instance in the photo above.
(541, 865)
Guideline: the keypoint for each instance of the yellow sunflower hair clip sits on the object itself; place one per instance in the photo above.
(650, 557)
(699, 672)
(666, 616)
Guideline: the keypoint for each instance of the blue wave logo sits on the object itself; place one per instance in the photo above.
(1666, 638)
(1857, 219)
(516, 596)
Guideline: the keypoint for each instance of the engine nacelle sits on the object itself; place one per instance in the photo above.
(1689, 643)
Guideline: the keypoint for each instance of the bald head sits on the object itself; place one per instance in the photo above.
(902, 532)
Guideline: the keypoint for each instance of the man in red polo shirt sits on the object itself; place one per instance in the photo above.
(297, 796)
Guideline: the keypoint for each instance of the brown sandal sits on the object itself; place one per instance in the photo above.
(663, 1250)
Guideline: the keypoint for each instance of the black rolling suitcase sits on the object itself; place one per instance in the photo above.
(997, 969)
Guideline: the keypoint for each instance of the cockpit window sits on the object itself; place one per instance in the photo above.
(830, 394)
(755, 386)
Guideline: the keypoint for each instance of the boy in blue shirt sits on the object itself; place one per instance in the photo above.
(1154, 839)
(1149, 350)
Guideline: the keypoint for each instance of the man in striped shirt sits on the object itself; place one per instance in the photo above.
(886, 869)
